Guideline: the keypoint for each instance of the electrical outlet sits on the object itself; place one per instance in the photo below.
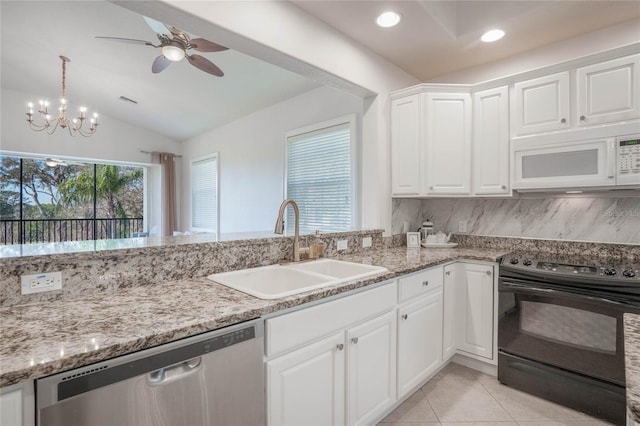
(462, 226)
(38, 283)
(342, 244)
(366, 242)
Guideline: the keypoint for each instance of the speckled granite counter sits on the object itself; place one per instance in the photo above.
(632, 363)
(44, 338)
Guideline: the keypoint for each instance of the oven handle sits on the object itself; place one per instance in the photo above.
(534, 290)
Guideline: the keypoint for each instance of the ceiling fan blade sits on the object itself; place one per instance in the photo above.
(204, 64)
(160, 64)
(158, 27)
(203, 45)
(128, 40)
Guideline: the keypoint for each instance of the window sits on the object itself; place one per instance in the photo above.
(321, 176)
(55, 200)
(204, 193)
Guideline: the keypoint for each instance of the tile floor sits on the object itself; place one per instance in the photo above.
(461, 396)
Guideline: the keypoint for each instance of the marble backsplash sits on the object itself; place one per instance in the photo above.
(594, 219)
(173, 259)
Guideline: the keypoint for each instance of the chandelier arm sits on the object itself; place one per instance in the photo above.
(53, 129)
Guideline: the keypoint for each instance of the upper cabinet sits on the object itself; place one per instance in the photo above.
(407, 145)
(541, 104)
(447, 128)
(608, 91)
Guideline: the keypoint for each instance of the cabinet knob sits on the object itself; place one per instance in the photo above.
(564, 120)
(405, 316)
(425, 283)
(340, 347)
(504, 187)
(488, 272)
(431, 188)
(448, 272)
(582, 117)
(354, 340)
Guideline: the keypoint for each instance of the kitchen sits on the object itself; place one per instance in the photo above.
(571, 218)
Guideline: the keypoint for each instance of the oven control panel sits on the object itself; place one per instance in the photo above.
(593, 270)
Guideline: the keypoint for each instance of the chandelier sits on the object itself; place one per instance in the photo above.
(51, 124)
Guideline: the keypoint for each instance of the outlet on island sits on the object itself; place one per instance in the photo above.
(342, 245)
(38, 283)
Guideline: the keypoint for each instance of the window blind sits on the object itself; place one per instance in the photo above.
(319, 179)
(204, 194)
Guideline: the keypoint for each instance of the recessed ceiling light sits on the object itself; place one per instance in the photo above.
(492, 35)
(388, 19)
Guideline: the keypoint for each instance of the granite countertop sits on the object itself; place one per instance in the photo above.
(41, 339)
(632, 363)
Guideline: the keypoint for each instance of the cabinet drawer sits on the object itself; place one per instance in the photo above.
(420, 283)
(291, 330)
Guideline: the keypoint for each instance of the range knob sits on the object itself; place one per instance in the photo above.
(514, 261)
(629, 273)
(610, 271)
(526, 262)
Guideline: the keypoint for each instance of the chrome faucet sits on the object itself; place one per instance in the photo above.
(280, 226)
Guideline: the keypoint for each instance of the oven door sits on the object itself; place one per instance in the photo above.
(574, 332)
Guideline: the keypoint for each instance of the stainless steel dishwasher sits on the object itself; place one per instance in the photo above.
(216, 378)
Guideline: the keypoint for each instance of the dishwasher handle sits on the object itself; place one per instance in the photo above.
(173, 372)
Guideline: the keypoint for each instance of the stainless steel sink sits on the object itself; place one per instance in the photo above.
(275, 281)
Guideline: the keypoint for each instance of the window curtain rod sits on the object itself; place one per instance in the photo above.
(159, 153)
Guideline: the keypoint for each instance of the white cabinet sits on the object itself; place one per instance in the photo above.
(306, 386)
(371, 369)
(541, 104)
(449, 314)
(608, 91)
(17, 405)
(491, 142)
(475, 313)
(406, 146)
(335, 362)
(447, 130)
(419, 328)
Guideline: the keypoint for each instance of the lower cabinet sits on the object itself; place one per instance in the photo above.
(17, 406)
(469, 310)
(419, 341)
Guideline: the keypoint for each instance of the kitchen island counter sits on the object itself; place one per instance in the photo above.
(41, 339)
(632, 363)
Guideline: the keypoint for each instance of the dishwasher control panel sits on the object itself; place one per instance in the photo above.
(229, 339)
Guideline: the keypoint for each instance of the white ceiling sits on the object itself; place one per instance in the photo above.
(434, 38)
(439, 37)
(179, 102)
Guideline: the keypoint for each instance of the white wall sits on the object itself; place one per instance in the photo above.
(252, 157)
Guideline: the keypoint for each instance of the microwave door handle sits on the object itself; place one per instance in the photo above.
(611, 158)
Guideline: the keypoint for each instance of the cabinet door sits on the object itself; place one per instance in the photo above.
(541, 104)
(476, 314)
(306, 386)
(406, 149)
(419, 341)
(491, 141)
(371, 369)
(449, 344)
(17, 405)
(448, 143)
(609, 91)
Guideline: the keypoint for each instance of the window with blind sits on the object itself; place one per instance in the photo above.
(321, 177)
(204, 194)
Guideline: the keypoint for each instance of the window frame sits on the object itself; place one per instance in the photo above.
(351, 120)
(216, 156)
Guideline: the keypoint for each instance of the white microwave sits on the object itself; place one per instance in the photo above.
(596, 164)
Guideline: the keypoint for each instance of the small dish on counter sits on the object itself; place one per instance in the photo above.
(442, 245)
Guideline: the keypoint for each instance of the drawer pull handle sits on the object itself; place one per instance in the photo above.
(405, 316)
(425, 283)
(354, 340)
(340, 347)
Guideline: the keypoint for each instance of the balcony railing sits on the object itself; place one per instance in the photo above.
(58, 230)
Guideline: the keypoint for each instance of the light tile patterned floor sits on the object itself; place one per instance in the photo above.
(460, 396)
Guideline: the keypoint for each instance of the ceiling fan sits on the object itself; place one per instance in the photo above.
(176, 45)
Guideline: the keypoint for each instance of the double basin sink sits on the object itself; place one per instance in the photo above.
(275, 281)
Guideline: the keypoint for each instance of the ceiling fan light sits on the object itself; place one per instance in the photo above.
(173, 53)
(492, 35)
(388, 19)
